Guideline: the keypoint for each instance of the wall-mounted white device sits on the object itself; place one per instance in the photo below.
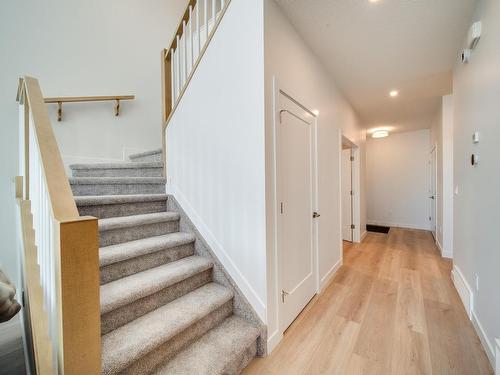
(474, 35)
(475, 137)
(465, 56)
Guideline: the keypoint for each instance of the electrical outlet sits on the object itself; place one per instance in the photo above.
(477, 282)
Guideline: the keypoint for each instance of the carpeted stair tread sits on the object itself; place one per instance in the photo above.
(125, 345)
(136, 220)
(145, 155)
(210, 354)
(132, 288)
(100, 200)
(128, 250)
(116, 180)
(120, 165)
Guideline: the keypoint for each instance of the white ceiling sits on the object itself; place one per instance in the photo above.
(372, 48)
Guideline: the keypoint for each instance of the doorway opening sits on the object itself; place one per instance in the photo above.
(349, 191)
(433, 191)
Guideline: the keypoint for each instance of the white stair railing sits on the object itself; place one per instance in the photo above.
(60, 250)
(179, 62)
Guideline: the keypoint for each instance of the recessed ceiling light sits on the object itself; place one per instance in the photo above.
(316, 112)
(394, 93)
(373, 1)
(380, 134)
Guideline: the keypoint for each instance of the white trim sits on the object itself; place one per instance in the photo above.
(365, 233)
(273, 340)
(397, 225)
(325, 280)
(444, 254)
(219, 251)
(464, 290)
(488, 348)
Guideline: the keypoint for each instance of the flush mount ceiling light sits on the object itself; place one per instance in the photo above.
(380, 134)
(373, 1)
(394, 93)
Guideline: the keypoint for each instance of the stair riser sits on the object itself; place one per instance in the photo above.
(125, 314)
(123, 209)
(238, 364)
(169, 349)
(147, 158)
(116, 236)
(117, 189)
(131, 266)
(122, 172)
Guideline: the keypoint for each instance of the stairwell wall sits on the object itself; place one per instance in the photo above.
(215, 149)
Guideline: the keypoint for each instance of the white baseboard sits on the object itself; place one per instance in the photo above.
(363, 235)
(488, 348)
(398, 225)
(467, 296)
(273, 340)
(219, 251)
(329, 275)
(444, 254)
(464, 290)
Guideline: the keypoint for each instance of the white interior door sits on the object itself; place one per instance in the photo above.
(432, 191)
(295, 186)
(346, 186)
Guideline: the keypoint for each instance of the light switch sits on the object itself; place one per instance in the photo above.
(475, 137)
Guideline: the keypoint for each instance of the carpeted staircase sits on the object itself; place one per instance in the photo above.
(161, 311)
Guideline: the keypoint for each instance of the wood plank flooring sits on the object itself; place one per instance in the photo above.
(391, 309)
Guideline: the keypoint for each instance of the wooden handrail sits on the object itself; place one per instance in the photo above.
(169, 104)
(83, 99)
(61, 262)
(76, 99)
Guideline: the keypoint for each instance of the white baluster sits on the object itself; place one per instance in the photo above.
(191, 36)
(172, 74)
(214, 12)
(184, 47)
(178, 52)
(198, 28)
(206, 21)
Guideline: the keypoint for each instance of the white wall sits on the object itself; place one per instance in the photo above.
(397, 178)
(299, 71)
(84, 48)
(476, 211)
(215, 149)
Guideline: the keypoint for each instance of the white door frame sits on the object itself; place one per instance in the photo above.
(433, 165)
(279, 89)
(358, 233)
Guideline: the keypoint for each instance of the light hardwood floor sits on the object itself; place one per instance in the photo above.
(391, 309)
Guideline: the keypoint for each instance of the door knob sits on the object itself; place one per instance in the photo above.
(431, 197)
(316, 215)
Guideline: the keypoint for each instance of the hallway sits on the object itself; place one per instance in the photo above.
(391, 309)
